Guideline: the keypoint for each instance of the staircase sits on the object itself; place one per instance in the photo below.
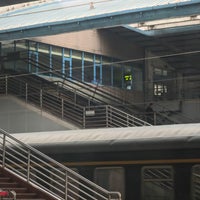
(23, 192)
(33, 175)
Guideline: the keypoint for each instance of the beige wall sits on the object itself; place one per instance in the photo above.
(96, 41)
(101, 42)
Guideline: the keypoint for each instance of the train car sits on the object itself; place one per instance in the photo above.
(143, 163)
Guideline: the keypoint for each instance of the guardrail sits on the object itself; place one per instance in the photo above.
(109, 116)
(52, 177)
(61, 105)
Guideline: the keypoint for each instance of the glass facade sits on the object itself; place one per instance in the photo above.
(49, 60)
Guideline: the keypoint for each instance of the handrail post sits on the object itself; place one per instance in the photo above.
(66, 185)
(83, 117)
(26, 92)
(106, 116)
(110, 118)
(28, 165)
(154, 117)
(4, 150)
(62, 108)
(41, 99)
(6, 85)
(75, 96)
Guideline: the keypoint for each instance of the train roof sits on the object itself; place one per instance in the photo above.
(115, 139)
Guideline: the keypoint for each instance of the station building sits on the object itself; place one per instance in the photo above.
(155, 61)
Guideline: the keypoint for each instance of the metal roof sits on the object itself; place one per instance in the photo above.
(115, 139)
(65, 16)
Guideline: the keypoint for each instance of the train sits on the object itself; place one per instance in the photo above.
(142, 163)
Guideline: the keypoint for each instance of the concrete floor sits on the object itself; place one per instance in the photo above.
(18, 117)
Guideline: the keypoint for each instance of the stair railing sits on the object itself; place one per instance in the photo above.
(109, 116)
(47, 174)
(63, 107)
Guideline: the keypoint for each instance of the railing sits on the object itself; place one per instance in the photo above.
(89, 91)
(61, 105)
(52, 177)
(109, 116)
(165, 117)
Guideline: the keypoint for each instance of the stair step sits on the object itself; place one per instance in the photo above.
(4, 179)
(18, 190)
(8, 184)
(30, 199)
(26, 195)
(22, 192)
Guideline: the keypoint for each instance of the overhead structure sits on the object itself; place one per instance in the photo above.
(61, 16)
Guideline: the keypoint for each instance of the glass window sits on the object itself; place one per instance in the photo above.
(157, 71)
(165, 73)
(117, 75)
(195, 186)
(111, 178)
(66, 52)
(77, 65)
(88, 67)
(56, 59)
(44, 58)
(7, 46)
(106, 71)
(43, 48)
(33, 45)
(98, 59)
(160, 89)
(21, 45)
(157, 183)
(137, 79)
(160, 72)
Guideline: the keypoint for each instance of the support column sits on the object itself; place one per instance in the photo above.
(148, 79)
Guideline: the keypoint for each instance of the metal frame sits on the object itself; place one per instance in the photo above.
(40, 171)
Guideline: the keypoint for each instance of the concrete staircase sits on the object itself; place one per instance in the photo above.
(24, 191)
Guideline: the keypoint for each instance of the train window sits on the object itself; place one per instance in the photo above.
(160, 89)
(157, 183)
(111, 178)
(195, 182)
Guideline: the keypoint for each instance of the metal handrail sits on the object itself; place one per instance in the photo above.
(109, 116)
(95, 93)
(62, 107)
(129, 120)
(51, 176)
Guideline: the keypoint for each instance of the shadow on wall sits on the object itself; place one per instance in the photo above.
(17, 117)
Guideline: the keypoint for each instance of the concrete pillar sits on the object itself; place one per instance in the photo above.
(148, 78)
